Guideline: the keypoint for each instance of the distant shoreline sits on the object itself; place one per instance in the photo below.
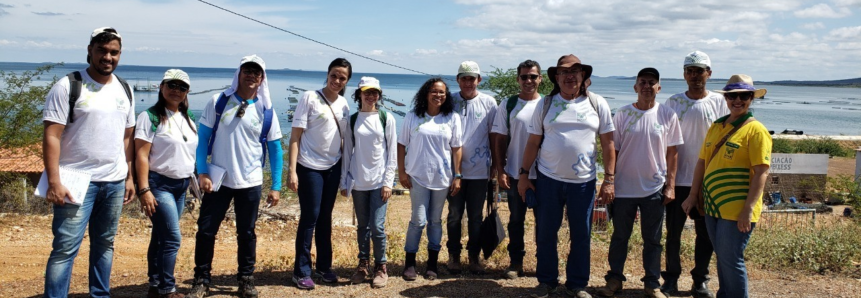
(846, 83)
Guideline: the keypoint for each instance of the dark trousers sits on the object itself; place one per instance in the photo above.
(472, 194)
(703, 249)
(318, 190)
(246, 202)
(516, 220)
(623, 212)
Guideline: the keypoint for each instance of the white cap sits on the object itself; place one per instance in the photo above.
(369, 83)
(104, 30)
(255, 59)
(468, 68)
(698, 59)
(176, 75)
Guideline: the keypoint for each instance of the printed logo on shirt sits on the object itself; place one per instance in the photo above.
(729, 152)
(121, 104)
(658, 128)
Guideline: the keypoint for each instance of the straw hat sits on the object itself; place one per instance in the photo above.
(742, 83)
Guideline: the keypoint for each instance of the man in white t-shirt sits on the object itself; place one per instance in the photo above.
(477, 111)
(89, 122)
(509, 135)
(697, 109)
(646, 137)
(234, 139)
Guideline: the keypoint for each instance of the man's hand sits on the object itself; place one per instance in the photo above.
(57, 194)
(690, 203)
(669, 194)
(405, 179)
(455, 187)
(503, 181)
(148, 203)
(205, 183)
(273, 198)
(522, 185)
(344, 193)
(744, 220)
(386, 193)
(607, 193)
(130, 191)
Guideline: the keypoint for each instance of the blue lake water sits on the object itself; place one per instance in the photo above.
(814, 110)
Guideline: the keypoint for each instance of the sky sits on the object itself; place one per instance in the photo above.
(768, 40)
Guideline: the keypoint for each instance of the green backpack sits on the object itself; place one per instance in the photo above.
(153, 117)
(383, 117)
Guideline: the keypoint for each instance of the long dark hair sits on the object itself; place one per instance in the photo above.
(160, 105)
(357, 97)
(340, 62)
(420, 101)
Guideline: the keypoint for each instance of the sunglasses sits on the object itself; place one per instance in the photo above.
(743, 96)
(252, 72)
(569, 72)
(177, 86)
(529, 77)
(242, 108)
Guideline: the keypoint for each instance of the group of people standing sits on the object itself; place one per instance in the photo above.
(541, 149)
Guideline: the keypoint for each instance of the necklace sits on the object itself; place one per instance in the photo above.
(178, 125)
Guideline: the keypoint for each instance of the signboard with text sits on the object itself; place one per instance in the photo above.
(783, 163)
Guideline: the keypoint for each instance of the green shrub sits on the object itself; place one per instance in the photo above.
(811, 146)
(782, 146)
(826, 247)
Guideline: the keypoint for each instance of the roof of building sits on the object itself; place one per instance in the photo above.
(22, 160)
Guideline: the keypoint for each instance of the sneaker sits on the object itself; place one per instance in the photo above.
(381, 276)
(246, 287)
(542, 290)
(475, 266)
(362, 272)
(171, 295)
(430, 274)
(410, 273)
(613, 286)
(577, 293)
(152, 293)
(454, 266)
(670, 287)
(701, 290)
(199, 289)
(304, 283)
(327, 276)
(514, 271)
(653, 293)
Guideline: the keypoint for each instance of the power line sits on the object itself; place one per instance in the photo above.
(311, 39)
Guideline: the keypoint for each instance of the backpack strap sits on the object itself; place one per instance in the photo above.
(153, 118)
(593, 100)
(548, 100)
(126, 88)
(75, 86)
(383, 119)
(191, 116)
(509, 106)
(264, 134)
(219, 109)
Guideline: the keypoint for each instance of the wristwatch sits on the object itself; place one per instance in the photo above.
(523, 171)
(458, 176)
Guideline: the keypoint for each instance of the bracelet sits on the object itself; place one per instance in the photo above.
(611, 175)
(608, 182)
(458, 176)
(143, 191)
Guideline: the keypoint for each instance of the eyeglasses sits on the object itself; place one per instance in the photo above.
(529, 77)
(694, 71)
(569, 72)
(177, 86)
(743, 96)
(242, 108)
(252, 72)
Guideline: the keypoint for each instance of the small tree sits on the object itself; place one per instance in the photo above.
(20, 107)
(504, 83)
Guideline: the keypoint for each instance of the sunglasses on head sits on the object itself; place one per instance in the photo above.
(242, 108)
(529, 77)
(177, 86)
(743, 96)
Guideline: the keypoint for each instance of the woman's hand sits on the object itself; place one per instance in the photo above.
(293, 181)
(405, 179)
(386, 193)
(690, 203)
(744, 217)
(205, 183)
(455, 187)
(148, 203)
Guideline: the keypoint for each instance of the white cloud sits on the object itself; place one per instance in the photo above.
(7, 42)
(845, 33)
(856, 3)
(813, 26)
(848, 46)
(426, 51)
(378, 53)
(823, 10)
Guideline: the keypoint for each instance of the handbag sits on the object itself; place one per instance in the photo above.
(492, 230)
(700, 197)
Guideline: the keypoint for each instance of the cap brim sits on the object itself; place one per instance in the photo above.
(700, 65)
(365, 88)
(756, 93)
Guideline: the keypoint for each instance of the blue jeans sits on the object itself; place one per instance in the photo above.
(427, 205)
(165, 239)
(623, 212)
(318, 190)
(516, 220)
(371, 218)
(102, 205)
(213, 207)
(729, 244)
(470, 198)
(553, 196)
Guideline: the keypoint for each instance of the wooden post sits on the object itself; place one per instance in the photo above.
(26, 203)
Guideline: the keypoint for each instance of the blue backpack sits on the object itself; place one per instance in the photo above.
(267, 125)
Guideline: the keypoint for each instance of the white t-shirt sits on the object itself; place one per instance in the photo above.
(477, 115)
(642, 138)
(320, 146)
(237, 146)
(428, 141)
(94, 141)
(568, 152)
(519, 119)
(169, 154)
(695, 118)
(370, 163)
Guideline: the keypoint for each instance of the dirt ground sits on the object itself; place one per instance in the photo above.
(26, 242)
